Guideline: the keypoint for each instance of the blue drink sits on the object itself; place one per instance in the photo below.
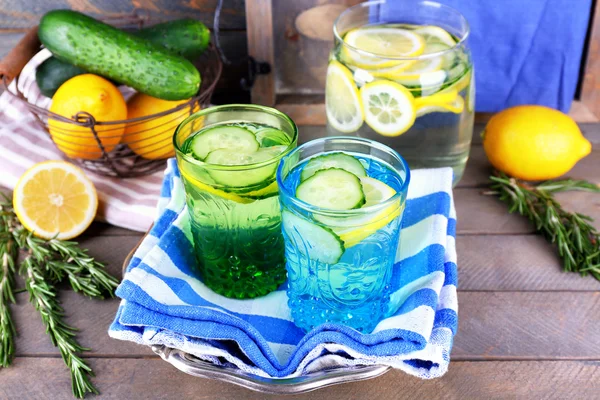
(340, 255)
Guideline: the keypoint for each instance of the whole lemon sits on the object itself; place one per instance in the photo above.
(153, 138)
(533, 142)
(96, 96)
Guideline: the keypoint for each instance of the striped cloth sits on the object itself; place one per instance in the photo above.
(164, 304)
(129, 203)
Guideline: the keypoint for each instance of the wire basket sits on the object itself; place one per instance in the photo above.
(124, 148)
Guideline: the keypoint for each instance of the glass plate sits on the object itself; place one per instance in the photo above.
(191, 365)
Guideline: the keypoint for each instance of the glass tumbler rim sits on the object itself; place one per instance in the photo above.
(429, 3)
(285, 192)
(233, 107)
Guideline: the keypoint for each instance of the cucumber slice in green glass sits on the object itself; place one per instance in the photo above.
(231, 138)
(271, 137)
(247, 177)
(315, 241)
(333, 160)
(333, 189)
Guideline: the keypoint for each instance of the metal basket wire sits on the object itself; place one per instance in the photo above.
(133, 153)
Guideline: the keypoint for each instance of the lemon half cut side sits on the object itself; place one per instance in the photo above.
(55, 199)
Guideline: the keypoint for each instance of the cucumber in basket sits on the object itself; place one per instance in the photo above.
(185, 37)
(102, 49)
(52, 73)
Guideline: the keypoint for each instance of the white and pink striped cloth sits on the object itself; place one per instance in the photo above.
(129, 203)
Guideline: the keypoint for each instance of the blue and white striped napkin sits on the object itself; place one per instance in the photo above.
(164, 304)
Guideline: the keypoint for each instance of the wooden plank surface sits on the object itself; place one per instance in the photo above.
(9, 40)
(492, 325)
(590, 86)
(514, 263)
(259, 17)
(155, 379)
(26, 13)
(528, 325)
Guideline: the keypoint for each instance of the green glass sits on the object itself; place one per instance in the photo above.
(236, 227)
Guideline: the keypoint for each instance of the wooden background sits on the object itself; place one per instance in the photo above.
(17, 16)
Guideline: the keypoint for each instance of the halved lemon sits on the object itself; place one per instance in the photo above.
(433, 34)
(381, 43)
(457, 106)
(358, 228)
(389, 107)
(343, 105)
(55, 199)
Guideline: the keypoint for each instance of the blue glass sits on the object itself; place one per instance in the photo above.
(355, 290)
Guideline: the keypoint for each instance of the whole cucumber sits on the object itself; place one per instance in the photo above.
(102, 49)
(186, 37)
(52, 73)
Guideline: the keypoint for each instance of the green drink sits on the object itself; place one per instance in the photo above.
(228, 156)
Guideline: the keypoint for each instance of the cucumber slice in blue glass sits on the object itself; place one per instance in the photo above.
(333, 160)
(333, 189)
(314, 241)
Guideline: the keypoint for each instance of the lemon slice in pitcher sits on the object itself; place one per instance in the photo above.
(456, 106)
(389, 107)
(433, 34)
(343, 104)
(382, 43)
(444, 97)
(414, 73)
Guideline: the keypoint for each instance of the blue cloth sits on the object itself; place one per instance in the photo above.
(163, 303)
(524, 51)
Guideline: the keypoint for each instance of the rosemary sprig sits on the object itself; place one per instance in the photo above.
(47, 263)
(43, 297)
(8, 257)
(576, 239)
(64, 259)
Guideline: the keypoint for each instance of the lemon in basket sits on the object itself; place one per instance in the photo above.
(152, 138)
(96, 96)
(55, 199)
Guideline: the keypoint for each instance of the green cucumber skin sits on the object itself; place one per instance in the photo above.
(188, 38)
(52, 73)
(104, 50)
(185, 37)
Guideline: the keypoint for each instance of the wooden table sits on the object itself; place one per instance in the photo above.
(526, 329)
